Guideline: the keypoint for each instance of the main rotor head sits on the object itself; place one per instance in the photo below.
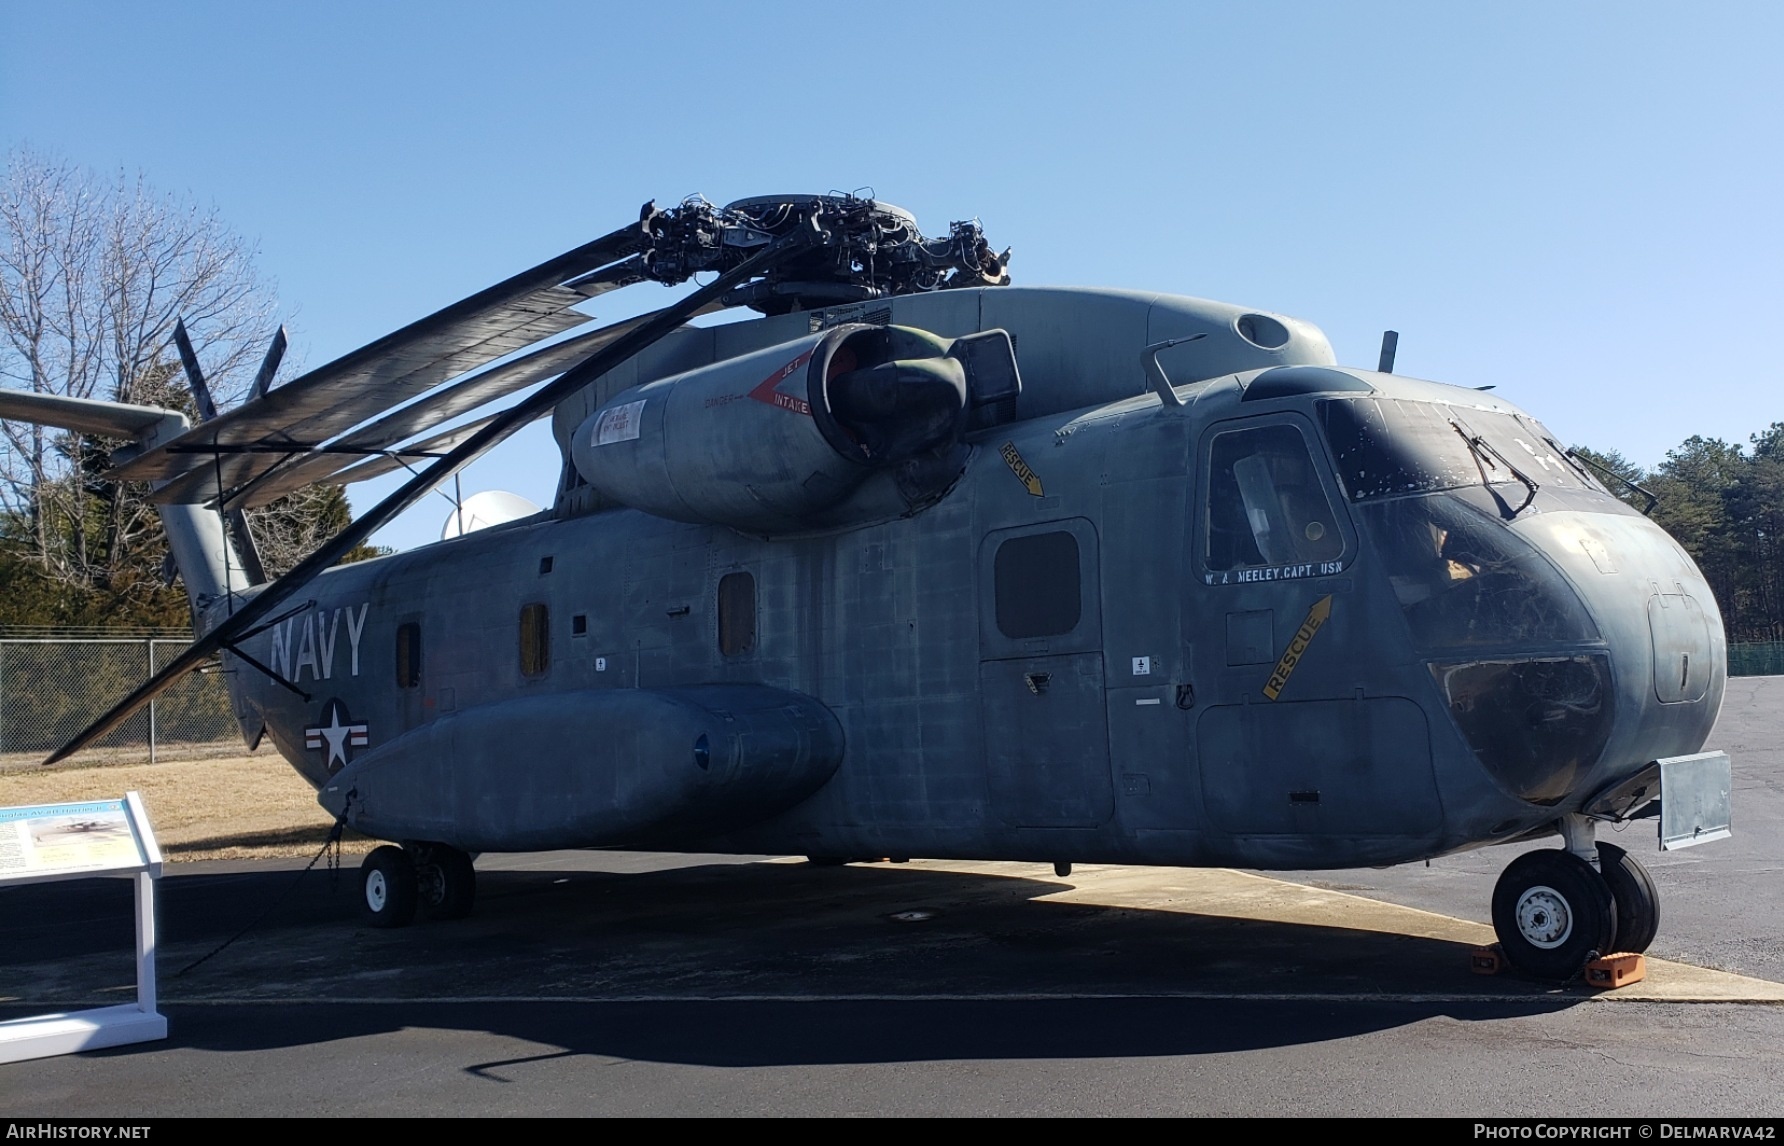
(866, 249)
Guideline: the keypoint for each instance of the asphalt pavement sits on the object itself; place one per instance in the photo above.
(617, 983)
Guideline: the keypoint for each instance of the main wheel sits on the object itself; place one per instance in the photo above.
(1638, 900)
(446, 881)
(1552, 913)
(387, 888)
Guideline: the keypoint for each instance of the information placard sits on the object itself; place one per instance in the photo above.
(47, 842)
(47, 839)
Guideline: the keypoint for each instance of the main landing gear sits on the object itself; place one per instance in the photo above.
(1554, 910)
(435, 879)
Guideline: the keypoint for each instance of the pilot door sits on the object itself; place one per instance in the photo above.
(1294, 735)
(1041, 676)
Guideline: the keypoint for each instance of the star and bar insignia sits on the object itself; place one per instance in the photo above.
(337, 733)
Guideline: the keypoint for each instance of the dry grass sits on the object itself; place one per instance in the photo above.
(237, 807)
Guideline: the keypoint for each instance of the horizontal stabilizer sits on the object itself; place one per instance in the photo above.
(85, 415)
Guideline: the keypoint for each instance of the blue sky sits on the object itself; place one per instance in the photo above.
(1575, 202)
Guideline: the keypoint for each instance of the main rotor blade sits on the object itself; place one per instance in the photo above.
(423, 451)
(442, 405)
(238, 623)
(402, 365)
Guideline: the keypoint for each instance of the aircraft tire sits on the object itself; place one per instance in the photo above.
(1638, 900)
(1553, 912)
(445, 880)
(387, 888)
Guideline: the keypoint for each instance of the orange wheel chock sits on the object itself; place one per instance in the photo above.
(1609, 972)
(1489, 960)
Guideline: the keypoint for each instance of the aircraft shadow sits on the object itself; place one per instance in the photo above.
(745, 964)
(310, 836)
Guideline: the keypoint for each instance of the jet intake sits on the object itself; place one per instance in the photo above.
(849, 425)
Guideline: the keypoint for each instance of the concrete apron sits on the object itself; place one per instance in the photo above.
(567, 927)
(1240, 895)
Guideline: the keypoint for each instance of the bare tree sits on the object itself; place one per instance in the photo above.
(94, 273)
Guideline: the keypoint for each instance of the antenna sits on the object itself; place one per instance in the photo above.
(1156, 378)
(1390, 343)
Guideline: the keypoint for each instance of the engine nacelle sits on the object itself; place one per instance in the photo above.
(779, 439)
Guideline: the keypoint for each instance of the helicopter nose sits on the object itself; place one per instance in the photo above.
(1571, 648)
(1661, 629)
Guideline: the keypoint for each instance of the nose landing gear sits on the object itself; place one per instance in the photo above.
(1553, 910)
(1638, 901)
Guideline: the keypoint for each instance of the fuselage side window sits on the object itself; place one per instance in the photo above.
(408, 655)
(1266, 505)
(535, 640)
(737, 614)
(1038, 585)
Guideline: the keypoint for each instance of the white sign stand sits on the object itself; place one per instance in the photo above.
(52, 842)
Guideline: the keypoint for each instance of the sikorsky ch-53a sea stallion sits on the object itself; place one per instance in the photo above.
(916, 563)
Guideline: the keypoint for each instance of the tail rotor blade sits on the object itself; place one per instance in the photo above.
(201, 390)
(269, 366)
(207, 410)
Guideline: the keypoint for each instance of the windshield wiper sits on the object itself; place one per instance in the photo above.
(1606, 471)
(1480, 449)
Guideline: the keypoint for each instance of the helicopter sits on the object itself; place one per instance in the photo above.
(915, 562)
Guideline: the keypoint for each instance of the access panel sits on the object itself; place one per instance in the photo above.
(1046, 741)
(1319, 767)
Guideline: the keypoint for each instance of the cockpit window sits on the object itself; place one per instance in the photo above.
(1387, 447)
(1266, 506)
(1465, 581)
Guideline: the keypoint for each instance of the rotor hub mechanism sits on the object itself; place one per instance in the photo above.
(864, 250)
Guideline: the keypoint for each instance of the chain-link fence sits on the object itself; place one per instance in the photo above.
(51, 687)
(1756, 658)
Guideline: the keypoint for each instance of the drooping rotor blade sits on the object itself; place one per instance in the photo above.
(269, 366)
(207, 411)
(307, 411)
(412, 454)
(238, 624)
(595, 283)
(285, 473)
(441, 406)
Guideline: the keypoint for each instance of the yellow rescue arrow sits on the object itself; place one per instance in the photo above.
(1291, 656)
(1012, 458)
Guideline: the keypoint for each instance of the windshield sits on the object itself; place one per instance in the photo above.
(1387, 447)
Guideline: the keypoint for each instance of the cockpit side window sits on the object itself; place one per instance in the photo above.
(1266, 504)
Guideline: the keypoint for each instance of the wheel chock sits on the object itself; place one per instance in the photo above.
(1608, 972)
(1489, 960)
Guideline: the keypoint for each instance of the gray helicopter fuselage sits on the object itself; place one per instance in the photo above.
(1305, 618)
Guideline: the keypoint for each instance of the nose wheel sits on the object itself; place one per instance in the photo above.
(1553, 912)
(1637, 899)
